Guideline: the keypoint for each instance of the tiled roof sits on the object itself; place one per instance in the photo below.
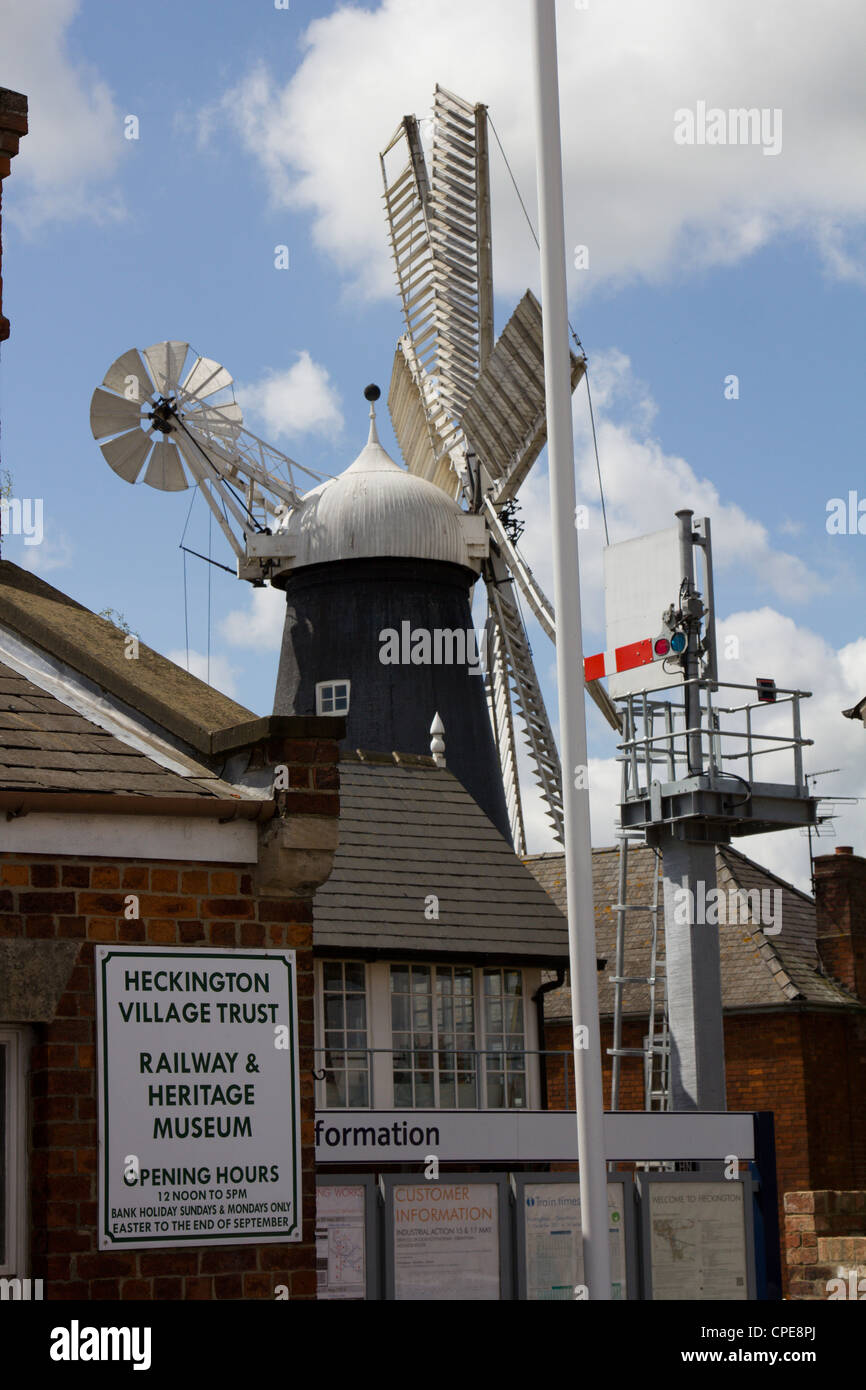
(409, 831)
(46, 746)
(159, 689)
(757, 970)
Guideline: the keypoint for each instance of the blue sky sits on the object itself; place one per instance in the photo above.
(260, 127)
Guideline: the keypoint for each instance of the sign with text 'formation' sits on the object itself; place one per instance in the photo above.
(199, 1099)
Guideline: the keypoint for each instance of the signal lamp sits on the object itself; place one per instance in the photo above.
(661, 646)
(678, 642)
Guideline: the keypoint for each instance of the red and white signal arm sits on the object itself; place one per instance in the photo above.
(634, 654)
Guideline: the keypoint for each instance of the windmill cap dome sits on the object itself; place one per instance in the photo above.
(375, 510)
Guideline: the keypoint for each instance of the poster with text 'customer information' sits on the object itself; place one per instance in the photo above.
(446, 1241)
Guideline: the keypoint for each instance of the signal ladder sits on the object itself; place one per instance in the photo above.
(656, 1049)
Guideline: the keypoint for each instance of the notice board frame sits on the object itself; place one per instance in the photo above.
(505, 1214)
(646, 1180)
(372, 1229)
(520, 1181)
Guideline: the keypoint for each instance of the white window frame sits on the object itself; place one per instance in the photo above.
(380, 1035)
(320, 1044)
(15, 1042)
(322, 686)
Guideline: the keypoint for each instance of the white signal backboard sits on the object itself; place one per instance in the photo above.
(641, 579)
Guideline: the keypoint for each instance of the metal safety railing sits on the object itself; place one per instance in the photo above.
(443, 1078)
(658, 735)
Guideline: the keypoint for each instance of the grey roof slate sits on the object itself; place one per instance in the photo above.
(164, 692)
(45, 746)
(758, 971)
(409, 830)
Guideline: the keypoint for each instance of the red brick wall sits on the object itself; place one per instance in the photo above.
(825, 1238)
(840, 904)
(82, 900)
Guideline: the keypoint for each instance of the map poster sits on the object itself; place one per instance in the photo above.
(554, 1250)
(199, 1097)
(340, 1241)
(446, 1241)
(698, 1240)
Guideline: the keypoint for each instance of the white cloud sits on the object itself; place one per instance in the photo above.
(221, 674)
(75, 138)
(644, 205)
(299, 400)
(261, 624)
(644, 487)
(54, 553)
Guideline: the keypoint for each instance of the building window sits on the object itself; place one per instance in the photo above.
(344, 1014)
(433, 1037)
(332, 697)
(458, 1037)
(505, 1047)
(13, 1256)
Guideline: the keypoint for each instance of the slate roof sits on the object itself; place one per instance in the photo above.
(409, 830)
(758, 971)
(46, 746)
(162, 691)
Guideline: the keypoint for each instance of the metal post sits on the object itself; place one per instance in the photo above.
(691, 608)
(569, 663)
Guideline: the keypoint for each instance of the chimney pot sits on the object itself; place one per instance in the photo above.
(844, 849)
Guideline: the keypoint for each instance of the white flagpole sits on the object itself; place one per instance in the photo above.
(569, 664)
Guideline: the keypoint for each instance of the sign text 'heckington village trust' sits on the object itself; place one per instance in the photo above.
(199, 1103)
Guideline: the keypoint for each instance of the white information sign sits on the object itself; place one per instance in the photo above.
(698, 1240)
(340, 1241)
(199, 1100)
(446, 1241)
(554, 1249)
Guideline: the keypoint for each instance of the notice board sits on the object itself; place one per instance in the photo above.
(199, 1099)
(698, 1237)
(549, 1244)
(448, 1239)
(346, 1237)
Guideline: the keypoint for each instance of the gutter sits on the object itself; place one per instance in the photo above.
(538, 1001)
(224, 809)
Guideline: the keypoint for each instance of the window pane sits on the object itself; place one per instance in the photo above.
(332, 974)
(420, 979)
(463, 980)
(358, 1088)
(424, 1089)
(492, 982)
(355, 976)
(495, 1091)
(403, 1090)
(399, 978)
(356, 1011)
(335, 1094)
(513, 982)
(399, 1013)
(334, 1012)
(444, 982)
(447, 1091)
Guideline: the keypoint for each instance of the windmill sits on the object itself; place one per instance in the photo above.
(171, 425)
(468, 411)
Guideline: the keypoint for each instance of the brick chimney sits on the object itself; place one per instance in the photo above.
(840, 907)
(13, 124)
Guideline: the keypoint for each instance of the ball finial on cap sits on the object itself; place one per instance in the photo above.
(372, 392)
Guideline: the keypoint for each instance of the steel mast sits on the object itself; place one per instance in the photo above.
(569, 664)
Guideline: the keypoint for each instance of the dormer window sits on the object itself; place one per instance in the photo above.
(332, 697)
